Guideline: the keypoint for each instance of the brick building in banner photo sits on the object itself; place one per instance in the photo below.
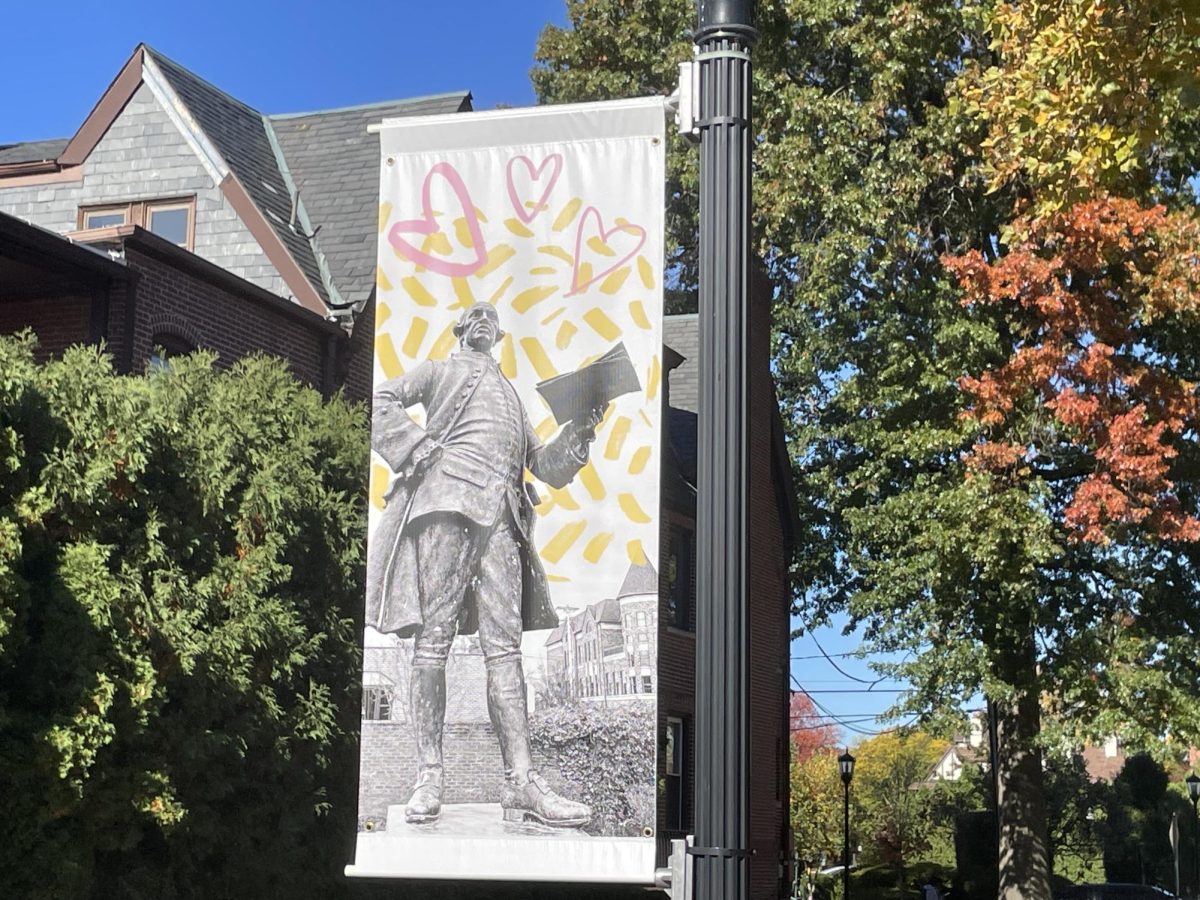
(178, 218)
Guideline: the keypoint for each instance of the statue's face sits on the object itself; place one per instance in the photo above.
(480, 327)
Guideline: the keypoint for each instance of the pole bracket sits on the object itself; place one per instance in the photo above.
(725, 852)
(722, 54)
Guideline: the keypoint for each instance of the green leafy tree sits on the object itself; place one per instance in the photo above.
(816, 796)
(180, 561)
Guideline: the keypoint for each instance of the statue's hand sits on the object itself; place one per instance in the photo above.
(586, 431)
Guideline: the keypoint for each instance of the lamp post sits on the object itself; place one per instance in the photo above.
(846, 767)
(1193, 788)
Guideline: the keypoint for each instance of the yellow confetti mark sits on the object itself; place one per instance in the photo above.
(562, 497)
(517, 227)
(420, 296)
(560, 579)
(637, 555)
(480, 216)
(591, 482)
(620, 430)
(653, 376)
(546, 428)
(383, 312)
(499, 292)
(381, 280)
(596, 546)
(613, 281)
(385, 212)
(597, 245)
(641, 456)
(379, 484)
(568, 213)
(557, 253)
(554, 315)
(462, 293)
(437, 243)
(525, 300)
(645, 418)
(632, 509)
(566, 331)
(463, 232)
(385, 352)
(444, 344)
(562, 542)
(585, 274)
(637, 312)
(416, 336)
(543, 270)
(537, 356)
(604, 326)
(497, 256)
(645, 272)
(508, 358)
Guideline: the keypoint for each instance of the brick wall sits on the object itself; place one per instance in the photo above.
(58, 322)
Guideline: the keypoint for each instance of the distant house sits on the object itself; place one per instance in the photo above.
(211, 219)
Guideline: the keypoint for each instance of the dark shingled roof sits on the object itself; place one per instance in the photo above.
(608, 612)
(241, 136)
(682, 334)
(334, 164)
(32, 151)
(641, 579)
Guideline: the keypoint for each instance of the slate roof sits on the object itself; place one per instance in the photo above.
(242, 136)
(334, 164)
(32, 151)
(641, 579)
(608, 612)
(682, 334)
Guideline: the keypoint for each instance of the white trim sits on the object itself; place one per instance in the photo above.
(177, 112)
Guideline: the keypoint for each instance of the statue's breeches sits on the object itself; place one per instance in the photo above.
(453, 554)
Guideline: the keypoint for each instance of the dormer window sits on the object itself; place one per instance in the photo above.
(173, 219)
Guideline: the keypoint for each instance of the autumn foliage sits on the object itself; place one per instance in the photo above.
(811, 732)
(1078, 290)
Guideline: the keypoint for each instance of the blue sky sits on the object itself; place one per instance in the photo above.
(305, 55)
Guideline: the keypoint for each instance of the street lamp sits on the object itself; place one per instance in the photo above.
(846, 767)
(1193, 786)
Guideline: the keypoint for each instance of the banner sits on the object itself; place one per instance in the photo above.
(510, 661)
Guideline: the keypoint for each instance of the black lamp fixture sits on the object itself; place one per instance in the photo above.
(1193, 786)
(846, 767)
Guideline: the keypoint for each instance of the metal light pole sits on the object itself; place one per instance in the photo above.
(846, 767)
(1193, 787)
(722, 845)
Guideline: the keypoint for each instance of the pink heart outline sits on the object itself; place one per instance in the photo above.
(535, 174)
(576, 287)
(426, 225)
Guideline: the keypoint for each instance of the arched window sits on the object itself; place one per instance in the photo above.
(166, 345)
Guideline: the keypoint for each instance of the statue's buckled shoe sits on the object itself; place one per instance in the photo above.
(532, 800)
(425, 804)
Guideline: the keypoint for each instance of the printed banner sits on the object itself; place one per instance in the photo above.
(510, 654)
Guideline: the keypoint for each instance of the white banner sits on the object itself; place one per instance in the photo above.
(510, 657)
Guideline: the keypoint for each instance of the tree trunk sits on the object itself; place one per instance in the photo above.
(1021, 802)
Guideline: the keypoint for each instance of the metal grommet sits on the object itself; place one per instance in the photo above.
(391, 160)
(369, 825)
(648, 831)
(656, 141)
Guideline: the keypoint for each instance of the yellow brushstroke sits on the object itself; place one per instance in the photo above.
(385, 352)
(632, 509)
(462, 293)
(596, 546)
(637, 312)
(383, 312)
(613, 281)
(608, 414)
(591, 482)
(420, 296)
(416, 336)
(568, 213)
(525, 300)
(562, 497)
(463, 232)
(558, 579)
(537, 356)
(616, 437)
(604, 326)
(554, 315)
(508, 358)
(645, 418)
(380, 476)
(546, 428)
(517, 227)
(645, 272)
(566, 331)
(543, 270)
(381, 280)
(596, 245)
(385, 212)
(497, 256)
(563, 541)
(479, 215)
(641, 456)
(653, 376)
(444, 344)
(499, 292)
(584, 275)
(637, 555)
(437, 243)
(557, 253)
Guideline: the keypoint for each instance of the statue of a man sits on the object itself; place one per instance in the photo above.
(453, 553)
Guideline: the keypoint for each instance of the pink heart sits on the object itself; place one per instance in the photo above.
(627, 228)
(427, 225)
(535, 174)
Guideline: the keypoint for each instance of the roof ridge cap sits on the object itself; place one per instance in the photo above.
(200, 78)
(364, 106)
